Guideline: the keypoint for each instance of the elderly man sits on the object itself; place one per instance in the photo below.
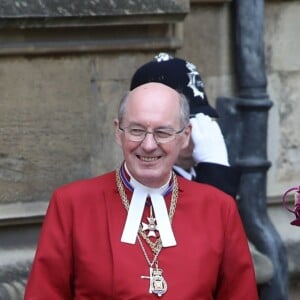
(140, 232)
(205, 158)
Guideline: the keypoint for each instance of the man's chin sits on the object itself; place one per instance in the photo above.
(151, 178)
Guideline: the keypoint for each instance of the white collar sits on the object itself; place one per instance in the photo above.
(187, 175)
(136, 209)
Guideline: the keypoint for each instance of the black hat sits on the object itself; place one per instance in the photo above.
(178, 74)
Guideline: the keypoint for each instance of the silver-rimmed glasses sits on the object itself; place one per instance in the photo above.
(161, 135)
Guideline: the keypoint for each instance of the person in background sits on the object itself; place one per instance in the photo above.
(142, 232)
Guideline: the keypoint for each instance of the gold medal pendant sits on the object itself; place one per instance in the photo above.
(158, 283)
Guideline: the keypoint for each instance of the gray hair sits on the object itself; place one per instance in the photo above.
(183, 102)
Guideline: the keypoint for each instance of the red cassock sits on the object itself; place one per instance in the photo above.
(80, 255)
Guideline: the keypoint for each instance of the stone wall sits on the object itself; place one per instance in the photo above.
(283, 68)
(63, 72)
(64, 66)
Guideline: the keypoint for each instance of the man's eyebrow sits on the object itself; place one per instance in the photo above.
(135, 124)
(164, 128)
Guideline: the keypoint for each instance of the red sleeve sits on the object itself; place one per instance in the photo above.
(51, 273)
(236, 278)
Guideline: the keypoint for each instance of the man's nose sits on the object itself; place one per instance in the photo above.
(149, 141)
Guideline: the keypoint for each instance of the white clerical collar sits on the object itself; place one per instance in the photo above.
(136, 183)
(186, 174)
(136, 209)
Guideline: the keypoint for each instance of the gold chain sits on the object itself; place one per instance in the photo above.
(157, 245)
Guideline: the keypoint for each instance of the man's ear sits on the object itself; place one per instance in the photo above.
(117, 132)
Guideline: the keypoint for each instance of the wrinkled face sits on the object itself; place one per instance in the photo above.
(152, 106)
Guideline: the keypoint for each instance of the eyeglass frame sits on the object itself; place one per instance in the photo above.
(173, 134)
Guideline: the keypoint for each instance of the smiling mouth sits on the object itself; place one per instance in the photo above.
(148, 158)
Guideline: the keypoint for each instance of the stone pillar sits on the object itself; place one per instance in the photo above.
(253, 105)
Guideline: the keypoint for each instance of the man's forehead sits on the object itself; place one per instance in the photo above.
(152, 112)
(153, 96)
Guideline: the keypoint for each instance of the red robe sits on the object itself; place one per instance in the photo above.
(80, 255)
